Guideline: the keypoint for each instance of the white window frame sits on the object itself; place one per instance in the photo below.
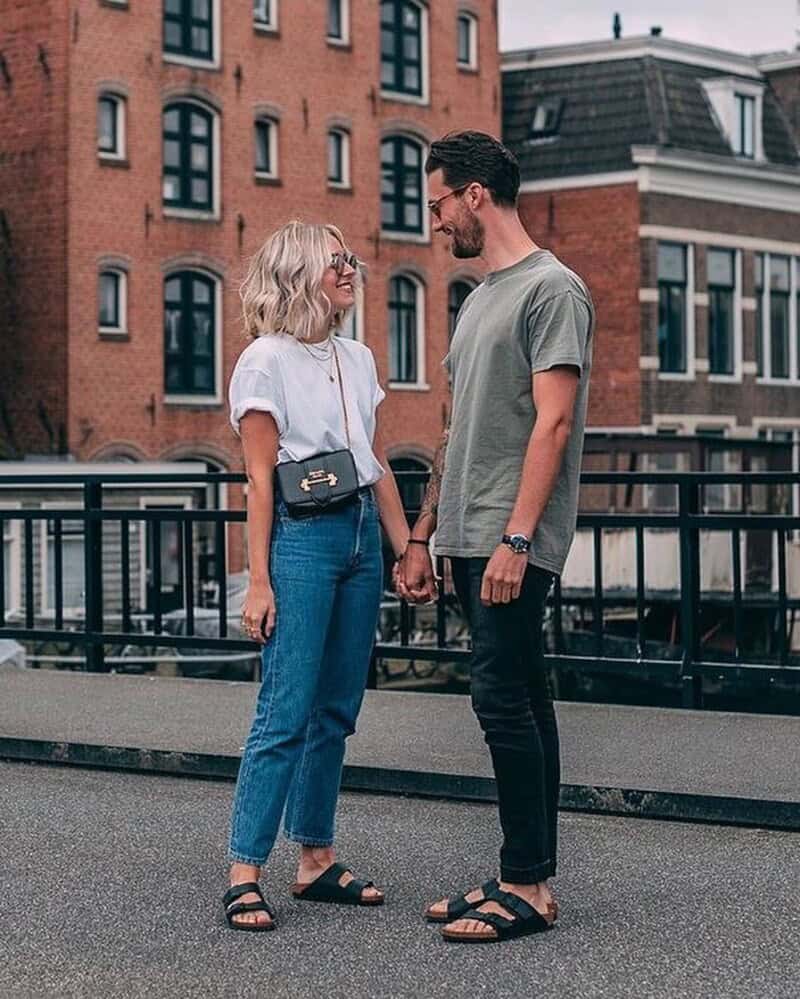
(737, 331)
(766, 322)
(472, 63)
(344, 38)
(199, 400)
(120, 116)
(13, 568)
(425, 98)
(74, 612)
(156, 502)
(420, 385)
(274, 173)
(783, 423)
(215, 215)
(345, 183)
(215, 62)
(122, 304)
(691, 349)
(270, 27)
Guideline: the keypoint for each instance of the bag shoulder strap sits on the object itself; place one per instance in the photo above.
(341, 392)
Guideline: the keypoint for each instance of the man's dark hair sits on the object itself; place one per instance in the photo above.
(467, 157)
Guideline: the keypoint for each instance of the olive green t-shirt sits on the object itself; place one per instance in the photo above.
(524, 319)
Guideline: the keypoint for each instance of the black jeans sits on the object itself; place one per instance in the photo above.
(511, 697)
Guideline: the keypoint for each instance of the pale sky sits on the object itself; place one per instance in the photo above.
(738, 25)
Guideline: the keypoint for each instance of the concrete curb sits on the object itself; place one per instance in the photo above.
(629, 802)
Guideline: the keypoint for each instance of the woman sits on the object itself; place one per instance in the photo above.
(315, 581)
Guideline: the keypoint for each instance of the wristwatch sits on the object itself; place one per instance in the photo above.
(518, 543)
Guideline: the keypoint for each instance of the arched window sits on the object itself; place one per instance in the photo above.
(111, 126)
(403, 44)
(456, 294)
(188, 135)
(406, 311)
(190, 334)
(401, 185)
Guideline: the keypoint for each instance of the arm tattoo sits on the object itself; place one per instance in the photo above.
(430, 504)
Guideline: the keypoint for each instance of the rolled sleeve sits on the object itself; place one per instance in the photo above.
(255, 389)
(558, 331)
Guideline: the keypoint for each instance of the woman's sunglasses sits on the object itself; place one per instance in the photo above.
(342, 259)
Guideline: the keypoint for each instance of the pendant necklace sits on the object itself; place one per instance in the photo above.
(328, 371)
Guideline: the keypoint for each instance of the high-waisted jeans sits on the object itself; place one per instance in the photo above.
(326, 573)
(512, 699)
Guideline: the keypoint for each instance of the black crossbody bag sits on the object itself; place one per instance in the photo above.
(324, 481)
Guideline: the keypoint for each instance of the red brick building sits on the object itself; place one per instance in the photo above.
(146, 150)
(668, 175)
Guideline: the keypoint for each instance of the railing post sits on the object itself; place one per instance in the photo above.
(688, 504)
(93, 576)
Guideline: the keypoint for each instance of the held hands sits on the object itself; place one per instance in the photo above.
(413, 576)
(502, 578)
(258, 612)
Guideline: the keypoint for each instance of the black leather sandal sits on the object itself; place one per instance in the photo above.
(524, 920)
(326, 888)
(235, 908)
(457, 906)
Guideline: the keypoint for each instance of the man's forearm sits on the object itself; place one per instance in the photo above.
(540, 469)
(428, 514)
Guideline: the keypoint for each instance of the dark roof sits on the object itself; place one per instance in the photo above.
(611, 106)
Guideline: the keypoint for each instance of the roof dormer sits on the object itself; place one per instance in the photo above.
(738, 108)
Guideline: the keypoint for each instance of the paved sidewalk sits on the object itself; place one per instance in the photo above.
(111, 887)
(657, 762)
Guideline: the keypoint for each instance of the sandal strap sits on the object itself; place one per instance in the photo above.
(499, 923)
(514, 904)
(238, 907)
(236, 891)
(456, 907)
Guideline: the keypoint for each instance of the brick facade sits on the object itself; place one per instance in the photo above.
(595, 231)
(80, 210)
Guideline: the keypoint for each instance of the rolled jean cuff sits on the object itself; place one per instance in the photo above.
(242, 858)
(527, 875)
(308, 840)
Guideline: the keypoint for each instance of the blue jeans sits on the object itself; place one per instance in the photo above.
(326, 573)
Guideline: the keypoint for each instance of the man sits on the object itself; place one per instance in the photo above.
(502, 500)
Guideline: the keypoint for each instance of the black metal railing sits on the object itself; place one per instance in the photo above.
(581, 632)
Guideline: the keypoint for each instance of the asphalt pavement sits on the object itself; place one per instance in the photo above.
(111, 886)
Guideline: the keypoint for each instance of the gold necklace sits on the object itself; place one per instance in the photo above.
(319, 364)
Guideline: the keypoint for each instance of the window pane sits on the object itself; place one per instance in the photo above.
(201, 9)
(759, 268)
(109, 299)
(199, 191)
(199, 156)
(172, 6)
(411, 16)
(172, 321)
(779, 334)
(8, 569)
(172, 189)
(172, 35)
(411, 79)
(720, 268)
(199, 125)
(203, 379)
(189, 346)
(334, 18)
(171, 120)
(457, 294)
(262, 147)
(672, 328)
(671, 262)
(411, 47)
(201, 292)
(464, 53)
(201, 41)
(72, 578)
(201, 335)
(262, 11)
(720, 323)
(106, 125)
(172, 290)
(335, 143)
(779, 273)
(172, 153)
(413, 216)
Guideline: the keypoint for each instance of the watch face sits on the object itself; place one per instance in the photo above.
(518, 543)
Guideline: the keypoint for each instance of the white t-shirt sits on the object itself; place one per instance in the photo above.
(276, 374)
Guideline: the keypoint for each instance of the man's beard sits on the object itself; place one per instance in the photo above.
(468, 239)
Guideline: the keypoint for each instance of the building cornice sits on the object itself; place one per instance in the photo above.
(776, 61)
(636, 47)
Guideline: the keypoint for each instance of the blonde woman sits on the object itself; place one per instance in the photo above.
(299, 392)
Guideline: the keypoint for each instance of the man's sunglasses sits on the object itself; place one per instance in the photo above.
(434, 206)
(342, 259)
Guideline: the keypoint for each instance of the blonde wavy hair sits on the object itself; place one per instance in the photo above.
(282, 291)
